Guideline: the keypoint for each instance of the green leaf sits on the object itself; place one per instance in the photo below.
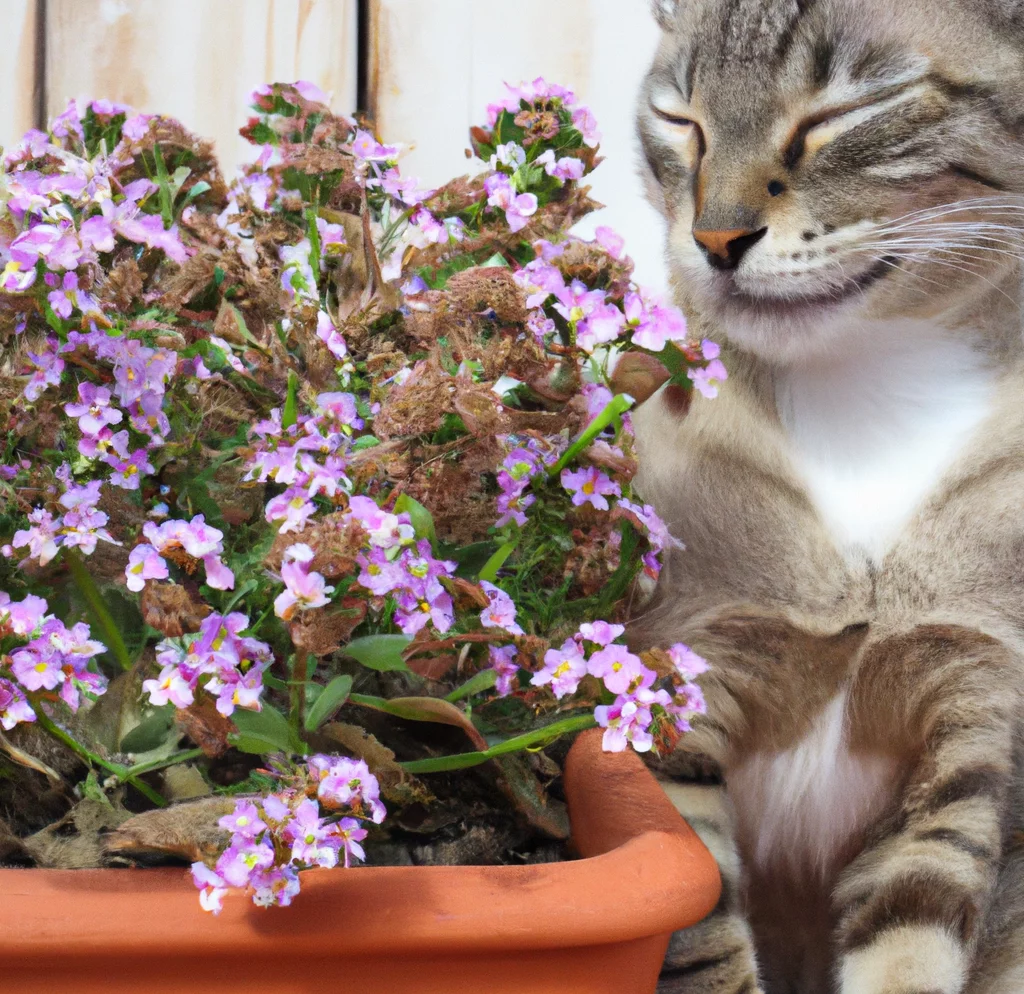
(536, 739)
(379, 652)
(150, 733)
(262, 732)
(164, 184)
(496, 260)
(422, 519)
(290, 414)
(365, 442)
(424, 709)
(491, 567)
(477, 684)
(331, 698)
(177, 180)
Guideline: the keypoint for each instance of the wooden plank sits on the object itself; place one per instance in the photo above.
(18, 83)
(198, 60)
(435, 66)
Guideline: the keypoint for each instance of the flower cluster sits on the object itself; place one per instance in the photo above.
(639, 707)
(275, 837)
(52, 664)
(188, 541)
(226, 664)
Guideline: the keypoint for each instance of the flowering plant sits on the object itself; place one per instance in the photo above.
(321, 442)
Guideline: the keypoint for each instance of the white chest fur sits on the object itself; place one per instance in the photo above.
(874, 429)
(800, 807)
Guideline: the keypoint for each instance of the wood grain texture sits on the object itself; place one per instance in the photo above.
(198, 60)
(435, 66)
(18, 83)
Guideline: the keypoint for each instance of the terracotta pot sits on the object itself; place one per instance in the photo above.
(598, 925)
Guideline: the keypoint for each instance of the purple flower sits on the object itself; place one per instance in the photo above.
(330, 336)
(170, 687)
(518, 208)
(563, 669)
(384, 530)
(24, 616)
(380, 575)
(621, 671)
(244, 820)
(429, 603)
(313, 841)
(212, 888)
(304, 589)
(14, 707)
(144, 563)
(40, 537)
(600, 632)
(610, 240)
(503, 663)
(590, 485)
(626, 721)
(242, 859)
(350, 834)
(346, 783)
(652, 323)
(706, 380)
(274, 887)
(569, 168)
(502, 611)
(687, 663)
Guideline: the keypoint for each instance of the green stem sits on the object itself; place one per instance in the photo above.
(119, 771)
(159, 764)
(297, 689)
(538, 737)
(615, 409)
(87, 587)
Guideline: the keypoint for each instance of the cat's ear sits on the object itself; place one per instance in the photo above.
(666, 12)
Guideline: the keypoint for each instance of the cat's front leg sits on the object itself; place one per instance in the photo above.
(910, 905)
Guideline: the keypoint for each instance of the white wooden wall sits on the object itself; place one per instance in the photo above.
(434, 66)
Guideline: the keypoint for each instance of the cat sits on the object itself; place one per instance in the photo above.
(843, 184)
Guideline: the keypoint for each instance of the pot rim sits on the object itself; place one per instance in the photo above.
(644, 873)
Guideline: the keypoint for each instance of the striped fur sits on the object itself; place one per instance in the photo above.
(867, 685)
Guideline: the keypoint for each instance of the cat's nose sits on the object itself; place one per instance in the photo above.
(725, 249)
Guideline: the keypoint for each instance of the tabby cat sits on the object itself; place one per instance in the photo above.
(843, 182)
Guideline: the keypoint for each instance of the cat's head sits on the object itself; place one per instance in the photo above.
(823, 163)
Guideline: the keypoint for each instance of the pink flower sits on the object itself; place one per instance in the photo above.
(563, 669)
(611, 241)
(590, 485)
(687, 663)
(347, 783)
(503, 663)
(502, 611)
(621, 671)
(626, 722)
(292, 508)
(431, 603)
(212, 888)
(244, 820)
(330, 336)
(518, 208)
(313, 842)
(569, 168)
(706, 380)
(304, 589)
(385, 530)
(380, 575)
(239, 861)
(600, 632)
(652, 323)
(14, 707)
(144, 563)
(40, 537)
(24, 616)
(170, 687)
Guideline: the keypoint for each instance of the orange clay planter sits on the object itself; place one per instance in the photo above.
(599, 925)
